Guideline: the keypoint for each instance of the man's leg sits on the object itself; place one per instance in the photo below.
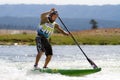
(40, 50)
(48, 58)
(48, 51)
(38, 58)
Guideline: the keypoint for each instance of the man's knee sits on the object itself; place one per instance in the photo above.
(48, 56)
(40, 53)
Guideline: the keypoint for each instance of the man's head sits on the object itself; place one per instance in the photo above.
(53, 16)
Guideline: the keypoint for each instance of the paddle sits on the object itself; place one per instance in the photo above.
(89, 60)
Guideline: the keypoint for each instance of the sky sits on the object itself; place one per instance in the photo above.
(63, 2)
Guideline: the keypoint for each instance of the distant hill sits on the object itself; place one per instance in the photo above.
(30, 23)
(105, 12)
(76, 17)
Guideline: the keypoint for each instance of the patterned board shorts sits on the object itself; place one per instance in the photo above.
(43, 45)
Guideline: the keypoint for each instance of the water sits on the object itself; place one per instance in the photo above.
(16, 62)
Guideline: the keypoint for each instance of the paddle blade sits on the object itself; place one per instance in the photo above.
(92, 63)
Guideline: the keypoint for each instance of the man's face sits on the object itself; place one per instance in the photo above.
(54, 17)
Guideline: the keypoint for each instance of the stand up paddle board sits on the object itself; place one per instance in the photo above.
(70, 72)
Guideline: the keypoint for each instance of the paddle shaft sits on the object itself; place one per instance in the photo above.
(90, 61)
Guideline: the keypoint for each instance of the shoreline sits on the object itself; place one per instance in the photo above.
(110, 36)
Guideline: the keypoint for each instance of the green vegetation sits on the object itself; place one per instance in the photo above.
(21, 39)
(59, 39)
(88, 39)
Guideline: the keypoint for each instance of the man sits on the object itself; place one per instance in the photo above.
(44, 31)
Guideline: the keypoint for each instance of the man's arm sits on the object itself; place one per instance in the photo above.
(44, 16)
(61, 30)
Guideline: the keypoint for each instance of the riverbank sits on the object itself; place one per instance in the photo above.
(86, 37)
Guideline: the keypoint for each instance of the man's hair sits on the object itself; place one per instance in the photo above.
(53, 13)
